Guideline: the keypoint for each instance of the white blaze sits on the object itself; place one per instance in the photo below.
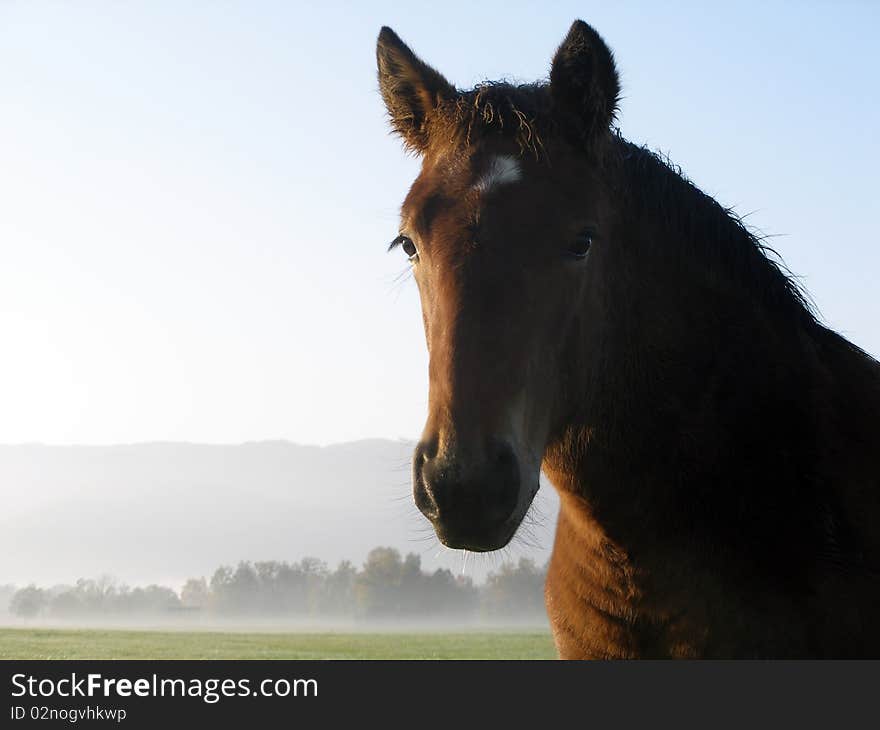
(503, 170)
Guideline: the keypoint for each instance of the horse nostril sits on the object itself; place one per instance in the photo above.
(501, 493)
(422, 491)
(424, 452)
(504, 456)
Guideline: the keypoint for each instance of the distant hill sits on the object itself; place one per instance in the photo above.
(167, 511)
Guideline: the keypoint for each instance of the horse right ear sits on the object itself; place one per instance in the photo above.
(583, 85)
(412, 90)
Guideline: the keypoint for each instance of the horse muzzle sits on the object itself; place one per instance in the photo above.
(474, 499)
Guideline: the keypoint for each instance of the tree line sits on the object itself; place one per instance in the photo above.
(387, 586)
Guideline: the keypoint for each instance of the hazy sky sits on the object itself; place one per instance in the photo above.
(195, 198)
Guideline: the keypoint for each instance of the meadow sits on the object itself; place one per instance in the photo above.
(41, 643)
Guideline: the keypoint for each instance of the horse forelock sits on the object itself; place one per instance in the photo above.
(518, 112)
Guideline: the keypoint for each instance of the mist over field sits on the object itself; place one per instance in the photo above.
(166, 512)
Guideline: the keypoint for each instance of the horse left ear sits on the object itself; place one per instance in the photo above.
(583, 84)
(412, 90)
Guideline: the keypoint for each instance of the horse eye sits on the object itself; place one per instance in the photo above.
(581, 245)
(409, 248)
(406, 243)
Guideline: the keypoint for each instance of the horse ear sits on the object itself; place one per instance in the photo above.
(412, 90)
(583, 84)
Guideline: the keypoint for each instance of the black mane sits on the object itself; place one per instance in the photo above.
(656, 188)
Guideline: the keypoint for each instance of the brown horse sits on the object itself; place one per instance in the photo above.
(590, 312)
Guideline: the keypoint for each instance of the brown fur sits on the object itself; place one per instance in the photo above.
(716, 448)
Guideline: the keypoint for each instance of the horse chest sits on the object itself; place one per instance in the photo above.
(603, 606)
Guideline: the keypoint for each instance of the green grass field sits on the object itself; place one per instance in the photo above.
(120, 644)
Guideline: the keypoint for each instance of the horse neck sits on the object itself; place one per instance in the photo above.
(605, 603)
(676, 376)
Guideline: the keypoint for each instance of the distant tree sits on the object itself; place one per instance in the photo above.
(65, 602)
(96, 595)
(236, 591)
(446, 595)
(195, 593)
(245, 587)
(291, 589)
(378, 586)
(515, 591)
(270, 598)
(222, 592)
(467, 596)
(150, 600)
(28, 602)
(315, 572)
(412, 567)
(339, 591)
(412, 587)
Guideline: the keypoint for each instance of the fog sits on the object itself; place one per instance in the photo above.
(166, 512)
(387, 591)
(257, 625)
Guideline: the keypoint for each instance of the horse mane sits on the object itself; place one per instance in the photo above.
(658, 189)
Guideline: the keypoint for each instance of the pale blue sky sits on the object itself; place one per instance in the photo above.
(195, 198)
